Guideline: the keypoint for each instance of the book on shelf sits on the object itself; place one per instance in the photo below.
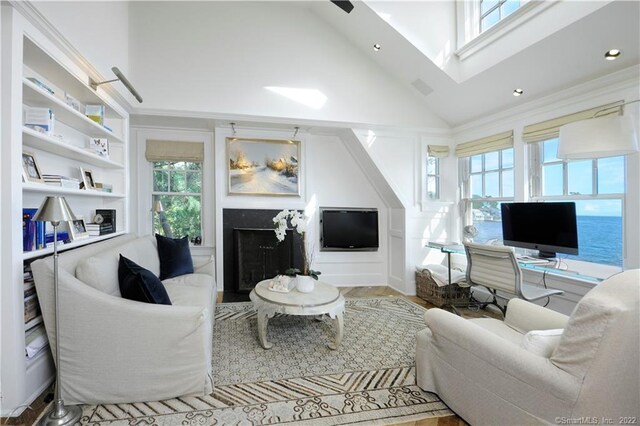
(35, 341)
(62, 181)
(41, 84)
(62, 237)
(29, 325)
(33, 232)
(31, 308)
(96, 229)
(39, 119)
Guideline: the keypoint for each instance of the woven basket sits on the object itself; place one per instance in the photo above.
(452, 294)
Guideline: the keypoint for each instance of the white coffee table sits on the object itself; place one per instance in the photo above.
(324, 299)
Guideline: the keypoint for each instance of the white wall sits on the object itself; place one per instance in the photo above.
(99, 30)
(218, 57)
(329, 178)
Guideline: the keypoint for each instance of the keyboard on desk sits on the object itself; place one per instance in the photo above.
(533, 260)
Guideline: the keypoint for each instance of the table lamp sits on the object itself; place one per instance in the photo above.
(55, 210)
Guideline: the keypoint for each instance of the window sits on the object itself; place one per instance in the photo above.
(597, 186)
(488, 180)
(493, 11)
(178, 186)
(433, 178)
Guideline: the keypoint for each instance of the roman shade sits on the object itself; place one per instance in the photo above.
(438, 151)
(497, 142)
(550, 129)
(161, 150)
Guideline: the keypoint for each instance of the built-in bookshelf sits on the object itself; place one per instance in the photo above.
(42, 77)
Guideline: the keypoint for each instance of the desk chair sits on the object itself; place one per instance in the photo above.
(496, 269)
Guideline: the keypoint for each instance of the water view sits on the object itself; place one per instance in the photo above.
(599, 238)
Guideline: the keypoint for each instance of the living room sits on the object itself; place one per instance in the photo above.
(378, 103)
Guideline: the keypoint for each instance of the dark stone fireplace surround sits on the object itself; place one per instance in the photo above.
(251, 251)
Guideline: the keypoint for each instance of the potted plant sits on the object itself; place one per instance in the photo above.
(297, 221)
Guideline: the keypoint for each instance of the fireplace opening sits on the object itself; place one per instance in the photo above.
(259, 256)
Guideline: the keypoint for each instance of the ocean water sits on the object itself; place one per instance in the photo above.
(599, 238)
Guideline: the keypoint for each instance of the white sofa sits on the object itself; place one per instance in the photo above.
(117, 350)
(483, 370)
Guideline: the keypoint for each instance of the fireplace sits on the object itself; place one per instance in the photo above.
(251, 251)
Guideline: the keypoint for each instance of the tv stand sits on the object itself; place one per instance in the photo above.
(546, 254)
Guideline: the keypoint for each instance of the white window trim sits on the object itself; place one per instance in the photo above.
(535, 170)
(145, 178)
(472, 41)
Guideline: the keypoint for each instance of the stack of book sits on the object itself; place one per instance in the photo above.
(31, 305)
(96, 229)
(63, 181)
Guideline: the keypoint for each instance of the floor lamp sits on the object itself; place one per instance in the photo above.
(56, 210)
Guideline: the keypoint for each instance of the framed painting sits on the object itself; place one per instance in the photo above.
(30, 169)
(263, 166)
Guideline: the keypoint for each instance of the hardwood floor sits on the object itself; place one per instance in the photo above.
(38, 406)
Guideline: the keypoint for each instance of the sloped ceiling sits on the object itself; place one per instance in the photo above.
(569, 56)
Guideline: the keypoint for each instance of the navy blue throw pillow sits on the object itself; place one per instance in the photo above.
(139, 284)
(175, 257)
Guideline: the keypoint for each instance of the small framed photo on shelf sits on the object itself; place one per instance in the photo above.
(100, 146)
(30, 170)
(87, 178)
(78, 229)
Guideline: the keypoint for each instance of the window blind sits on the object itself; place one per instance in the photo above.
(551, 128)
(497, 142)
(438, 151)
(161, 150)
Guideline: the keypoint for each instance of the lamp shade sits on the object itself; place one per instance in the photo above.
(598, 137)
(54, 209)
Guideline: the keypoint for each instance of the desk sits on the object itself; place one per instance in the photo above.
(552, 267)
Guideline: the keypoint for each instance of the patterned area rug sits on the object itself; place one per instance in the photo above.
(368, 380)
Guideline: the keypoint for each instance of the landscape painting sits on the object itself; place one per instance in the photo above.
(263, 167)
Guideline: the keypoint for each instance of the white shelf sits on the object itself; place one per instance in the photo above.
(35, 139)
(67, 246)
(43, 188)
(44, 353)
(36, 96)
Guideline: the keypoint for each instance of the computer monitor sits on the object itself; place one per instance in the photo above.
(547, 227)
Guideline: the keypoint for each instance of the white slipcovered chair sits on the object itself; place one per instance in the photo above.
(507, 372)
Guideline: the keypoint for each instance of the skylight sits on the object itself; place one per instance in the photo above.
(493, 11)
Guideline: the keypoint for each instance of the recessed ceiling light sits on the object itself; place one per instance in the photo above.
(518, 92)
(612, 54)
(376, 47)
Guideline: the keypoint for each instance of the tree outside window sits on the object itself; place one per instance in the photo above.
(178, 186)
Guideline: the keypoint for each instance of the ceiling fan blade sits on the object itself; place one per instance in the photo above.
(347, 6)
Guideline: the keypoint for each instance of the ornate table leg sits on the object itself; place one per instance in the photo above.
(263, 320)
(338, 326)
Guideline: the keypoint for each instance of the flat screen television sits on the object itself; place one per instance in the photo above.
(547, 227)
(344, 229)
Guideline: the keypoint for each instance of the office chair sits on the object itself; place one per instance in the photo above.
(496, 269)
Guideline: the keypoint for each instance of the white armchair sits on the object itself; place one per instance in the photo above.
(483, 369)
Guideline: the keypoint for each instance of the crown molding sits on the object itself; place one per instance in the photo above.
(620, 80)
(29, 11)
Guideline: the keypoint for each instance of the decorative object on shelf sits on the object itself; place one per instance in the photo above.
(95, 113)
(100, 146)
(599, 136)
(78, 229)
(72, 102)
(30, 169)
(56, 210)
(263, 166)
(39, 119)
(298, 222)
(87, 178)
(94, 84)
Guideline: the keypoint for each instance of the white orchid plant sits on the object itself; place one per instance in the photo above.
(298, 222)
